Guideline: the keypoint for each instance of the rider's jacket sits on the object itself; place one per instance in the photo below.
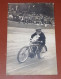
(41, 37)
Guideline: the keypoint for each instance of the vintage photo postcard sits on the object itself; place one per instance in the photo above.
(31, 44)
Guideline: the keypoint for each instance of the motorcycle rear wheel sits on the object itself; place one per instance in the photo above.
(41, 54)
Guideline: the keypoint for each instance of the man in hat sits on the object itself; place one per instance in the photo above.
(40, 39)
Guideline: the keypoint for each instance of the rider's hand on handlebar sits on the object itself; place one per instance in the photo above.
(31, 40)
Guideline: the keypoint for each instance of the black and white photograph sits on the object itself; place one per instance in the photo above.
(31, 43)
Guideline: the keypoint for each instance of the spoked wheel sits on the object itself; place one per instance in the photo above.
(22, 55)
(42, 53)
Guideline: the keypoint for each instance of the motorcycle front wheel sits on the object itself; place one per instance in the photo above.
(22, 54)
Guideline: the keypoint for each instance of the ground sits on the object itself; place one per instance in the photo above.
(18, 37)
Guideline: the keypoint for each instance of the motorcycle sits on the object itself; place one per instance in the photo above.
(27, 51)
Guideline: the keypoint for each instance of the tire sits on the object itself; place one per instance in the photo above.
(22, 53)
(41, 54)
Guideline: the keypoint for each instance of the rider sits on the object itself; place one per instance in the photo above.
(40, 39)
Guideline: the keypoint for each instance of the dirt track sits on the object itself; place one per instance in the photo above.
(19, 37)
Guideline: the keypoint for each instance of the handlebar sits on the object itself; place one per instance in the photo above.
(35, 43)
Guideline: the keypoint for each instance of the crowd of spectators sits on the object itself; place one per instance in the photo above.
(31, 18)
(24, 14)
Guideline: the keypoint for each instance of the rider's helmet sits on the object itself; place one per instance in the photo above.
(38, 30)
